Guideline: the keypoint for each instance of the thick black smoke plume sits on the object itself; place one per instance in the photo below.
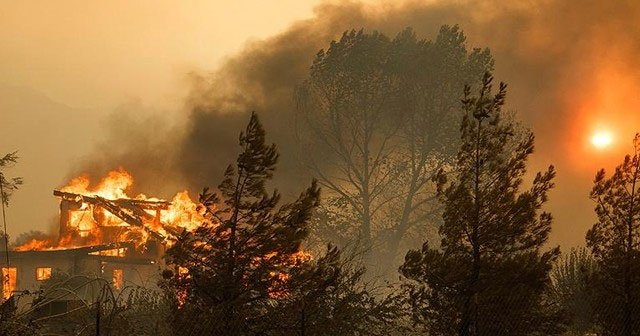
(559, 57)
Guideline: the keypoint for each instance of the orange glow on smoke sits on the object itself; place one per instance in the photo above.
(605, 115)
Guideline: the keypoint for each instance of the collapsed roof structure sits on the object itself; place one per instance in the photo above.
(131, 212)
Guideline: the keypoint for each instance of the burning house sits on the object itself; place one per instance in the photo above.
(103, 233)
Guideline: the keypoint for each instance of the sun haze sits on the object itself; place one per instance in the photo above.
(602, 139)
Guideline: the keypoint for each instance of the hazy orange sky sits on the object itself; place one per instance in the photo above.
(66, 66)
(96, 54)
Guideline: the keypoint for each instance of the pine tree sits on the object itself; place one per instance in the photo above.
(571, 290)
(230, 270)
(615, 243)
(489, 274)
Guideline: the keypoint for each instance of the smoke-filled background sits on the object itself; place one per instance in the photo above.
(570, 66)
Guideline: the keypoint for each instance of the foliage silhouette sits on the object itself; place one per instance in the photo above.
(489, 274)
(615, 243)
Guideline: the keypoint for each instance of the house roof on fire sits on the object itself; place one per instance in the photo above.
(69, 251)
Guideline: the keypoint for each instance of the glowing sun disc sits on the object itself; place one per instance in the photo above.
(602, 139)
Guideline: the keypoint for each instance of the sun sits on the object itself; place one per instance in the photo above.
(602, 139)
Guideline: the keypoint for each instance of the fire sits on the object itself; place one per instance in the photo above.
(33, 245)
(278, 288)
(93, 220)
(112, 186)
(183, 213)
(9, 281)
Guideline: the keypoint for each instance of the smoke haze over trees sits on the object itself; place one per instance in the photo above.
(378, 117)
(535, 49)
(376, 103)
(244, 273)
(243, 270)
(490, 270)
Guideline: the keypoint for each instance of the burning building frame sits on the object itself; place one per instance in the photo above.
(102, 233)
(112, 220)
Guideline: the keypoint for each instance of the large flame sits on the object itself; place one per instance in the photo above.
(34, 244)
(112, 186)
(88, 221)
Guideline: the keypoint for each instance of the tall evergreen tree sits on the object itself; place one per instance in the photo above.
(489, 273)
(231, 268)
(615, 243)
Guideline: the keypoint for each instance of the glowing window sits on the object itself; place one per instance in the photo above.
(9, 281)
(120, 252)
(118, 278)
(43, 273)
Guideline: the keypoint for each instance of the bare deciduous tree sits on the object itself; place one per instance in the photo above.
(380, 117)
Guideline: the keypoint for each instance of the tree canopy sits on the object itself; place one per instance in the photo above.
(379, 116)
(615, 243)
(489, 271)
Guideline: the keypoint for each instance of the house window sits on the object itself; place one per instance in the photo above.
(118, 278)
(9, 281)
(43, 273)
(119, 252)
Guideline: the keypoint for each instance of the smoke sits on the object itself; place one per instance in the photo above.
(142, 141)
(569, 65)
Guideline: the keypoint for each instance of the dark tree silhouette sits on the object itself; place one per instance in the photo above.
(379, 115)
(243, 272)
(571, 290)
(231, 269)
(489, 274)
(10, 324)
(330, 297)
(615, 243)
(345, 105)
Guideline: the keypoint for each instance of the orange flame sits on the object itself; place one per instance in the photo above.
(88, 222)
(34, 245)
